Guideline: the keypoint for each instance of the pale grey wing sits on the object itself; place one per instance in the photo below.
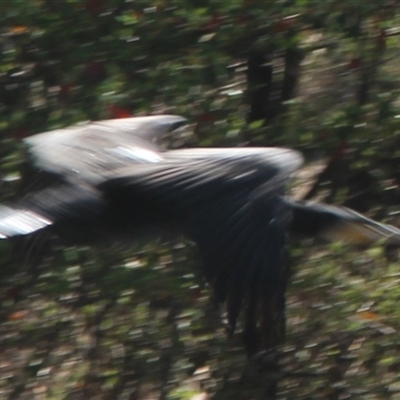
(231, 204)
(88, 152)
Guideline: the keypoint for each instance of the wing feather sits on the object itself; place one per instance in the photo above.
(20, 222)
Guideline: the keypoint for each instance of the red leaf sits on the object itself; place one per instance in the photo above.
(205, 117)
(368, 315)
(17, 315)
(119, 112)
(354, 63)
(213, 24)
(21, 133)
(95, 6)
(66, 89)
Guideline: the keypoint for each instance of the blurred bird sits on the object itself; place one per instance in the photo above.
(113, 180)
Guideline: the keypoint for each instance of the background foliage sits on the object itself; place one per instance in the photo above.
(80, 323)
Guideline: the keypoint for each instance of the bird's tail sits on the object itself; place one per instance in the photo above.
(340, 224)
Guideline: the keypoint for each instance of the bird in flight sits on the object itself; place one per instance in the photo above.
(112, 180)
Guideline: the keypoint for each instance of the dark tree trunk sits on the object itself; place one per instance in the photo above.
(293, 58)
(259, 81)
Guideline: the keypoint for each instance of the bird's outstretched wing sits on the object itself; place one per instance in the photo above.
(230, 202)
(88, 152)
(65, 165)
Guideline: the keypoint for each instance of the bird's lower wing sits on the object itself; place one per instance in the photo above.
(62, 204)
(241, 244)
(238, 220)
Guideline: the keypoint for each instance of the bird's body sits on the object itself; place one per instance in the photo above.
(111, 180)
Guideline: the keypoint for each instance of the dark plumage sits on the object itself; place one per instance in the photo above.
(111, 180)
